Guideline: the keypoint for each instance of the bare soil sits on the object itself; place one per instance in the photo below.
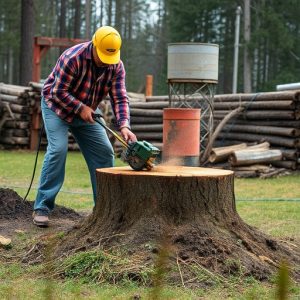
(16, 217)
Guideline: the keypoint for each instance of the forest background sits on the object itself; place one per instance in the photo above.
(269, 45)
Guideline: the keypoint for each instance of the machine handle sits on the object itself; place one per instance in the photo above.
(97, 118)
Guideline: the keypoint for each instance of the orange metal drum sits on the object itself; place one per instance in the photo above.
(181, 134)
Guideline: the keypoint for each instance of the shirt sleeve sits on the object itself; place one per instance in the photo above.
(65, 76)
(119, 98)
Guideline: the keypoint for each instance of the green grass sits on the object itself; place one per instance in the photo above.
(280, 219)
(16, 169)
(285, 187)
(19, 283)
(277, 218)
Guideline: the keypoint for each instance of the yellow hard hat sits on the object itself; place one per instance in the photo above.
(107, 42)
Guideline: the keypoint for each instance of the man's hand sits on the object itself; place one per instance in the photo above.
(127, 135)
(86, 114)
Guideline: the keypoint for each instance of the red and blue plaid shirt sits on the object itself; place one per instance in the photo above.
(76, 81)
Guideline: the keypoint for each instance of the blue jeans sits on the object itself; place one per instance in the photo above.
(94, 145)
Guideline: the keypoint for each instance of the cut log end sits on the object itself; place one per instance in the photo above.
(168, 171)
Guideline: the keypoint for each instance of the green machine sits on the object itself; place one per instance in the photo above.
(139, 155)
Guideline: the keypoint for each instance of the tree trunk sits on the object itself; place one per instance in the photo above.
(77, 19)
(125, 197)
(27, 35)
(88, 19)
(250, 157)
(118, 15)
(109, 12)
(247, 62)
(62, 22)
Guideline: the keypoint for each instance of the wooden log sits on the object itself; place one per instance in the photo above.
(15, 132)
(275, 123)
(16, 108)
(21, 117)
(147, 127)
(256, 168)
(290, 154)
(249, 157)
(273, 173)
(263, 115)
(13, 99)
(146, 112)
(16, 124)
(222, 153)
(15, 87)
(149, 135)
(273, 140)
(225, 142)
(287, 164)
(267, 96)
(270, 130)
(208, 147)
(146, 120)
(260, 146)
(245, 174)
(14, 140)
(36, 85)
(256, 105)
(13, 92)
(163, 98)
(135, 97)
(149, 105)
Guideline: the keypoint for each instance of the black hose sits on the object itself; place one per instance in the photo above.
(35, 163)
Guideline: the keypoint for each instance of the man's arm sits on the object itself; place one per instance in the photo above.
(120, 103)
(119, 98)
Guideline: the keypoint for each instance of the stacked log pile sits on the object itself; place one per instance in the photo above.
(267, 117)
(248, 160)
(15, 129)
(24, 117)
(37, 88)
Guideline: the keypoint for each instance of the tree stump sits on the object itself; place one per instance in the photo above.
(191, 211)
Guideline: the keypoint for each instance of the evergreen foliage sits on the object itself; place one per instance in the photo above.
(148, 26)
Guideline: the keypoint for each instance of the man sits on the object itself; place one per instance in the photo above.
(83, 75)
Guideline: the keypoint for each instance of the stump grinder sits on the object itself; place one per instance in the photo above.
(139, 155)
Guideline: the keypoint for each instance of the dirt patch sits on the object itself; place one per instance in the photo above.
(16, 216)
(13, 206)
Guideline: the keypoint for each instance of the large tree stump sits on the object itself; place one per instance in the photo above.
(175, 195)
(189, 210)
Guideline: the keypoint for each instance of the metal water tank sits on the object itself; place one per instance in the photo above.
(193, 62)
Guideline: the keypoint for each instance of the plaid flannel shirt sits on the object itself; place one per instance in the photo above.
(74, 83)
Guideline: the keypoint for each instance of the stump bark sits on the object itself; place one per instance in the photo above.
(176, 195)
(190, 210)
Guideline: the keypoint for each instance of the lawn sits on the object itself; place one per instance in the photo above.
(272, 205)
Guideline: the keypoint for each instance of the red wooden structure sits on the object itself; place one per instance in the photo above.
(41, 46)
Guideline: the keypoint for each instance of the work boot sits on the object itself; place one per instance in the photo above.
(40, 218)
